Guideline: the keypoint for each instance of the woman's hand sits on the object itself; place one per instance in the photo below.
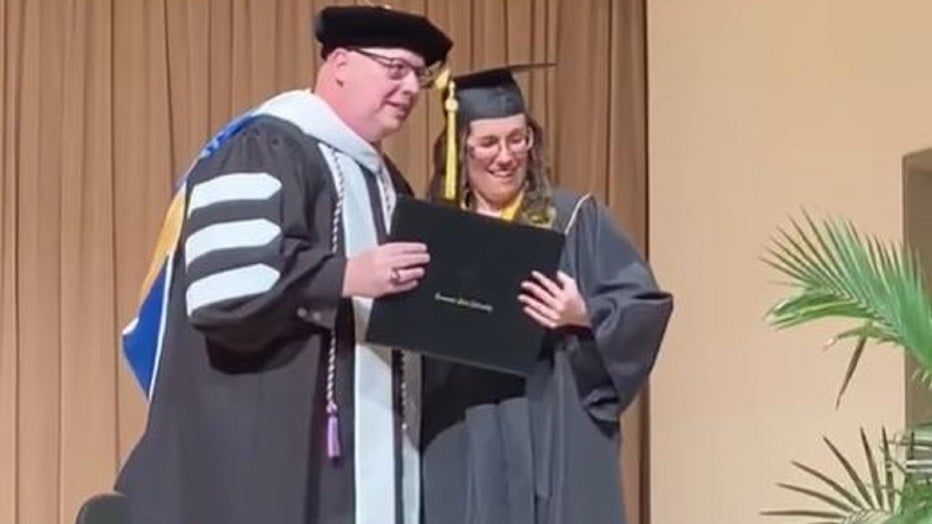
(554, 304)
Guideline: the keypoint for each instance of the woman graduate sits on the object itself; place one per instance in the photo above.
(503, 449)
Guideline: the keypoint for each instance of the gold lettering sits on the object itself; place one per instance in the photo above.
(464, 302)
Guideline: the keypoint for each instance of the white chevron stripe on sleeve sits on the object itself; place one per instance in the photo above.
(233, 187)
(230, 284)
(229, 235)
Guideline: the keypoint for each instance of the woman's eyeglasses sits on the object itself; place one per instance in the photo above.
(489, 147)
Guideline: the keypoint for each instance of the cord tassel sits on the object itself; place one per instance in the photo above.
(333, 433)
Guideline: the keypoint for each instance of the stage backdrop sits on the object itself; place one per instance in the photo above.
(103, 104)
(757, 109)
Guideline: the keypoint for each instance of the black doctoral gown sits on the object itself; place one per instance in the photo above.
(236, 432)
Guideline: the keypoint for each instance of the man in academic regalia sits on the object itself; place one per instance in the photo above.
(266, 405)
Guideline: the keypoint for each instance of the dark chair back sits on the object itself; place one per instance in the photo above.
(105, 508)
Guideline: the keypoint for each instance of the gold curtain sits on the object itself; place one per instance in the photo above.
(103, 104)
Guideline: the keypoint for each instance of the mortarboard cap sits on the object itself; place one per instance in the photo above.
(491, 93)
(372, 26)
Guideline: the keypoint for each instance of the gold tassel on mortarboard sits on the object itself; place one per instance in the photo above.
(445, 82)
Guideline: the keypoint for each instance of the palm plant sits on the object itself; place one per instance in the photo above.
(896, 491)
(836, 272)
(915, 493)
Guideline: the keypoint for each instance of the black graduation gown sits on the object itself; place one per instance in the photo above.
(236, 428)
(504, 450)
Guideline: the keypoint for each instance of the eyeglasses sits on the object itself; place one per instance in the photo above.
(489, 147)
(398, 69)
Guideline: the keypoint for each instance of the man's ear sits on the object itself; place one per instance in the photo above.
(339, 59)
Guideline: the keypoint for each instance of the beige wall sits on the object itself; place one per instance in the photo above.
(759, 107)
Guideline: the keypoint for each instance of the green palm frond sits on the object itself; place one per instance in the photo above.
(915, 494)
(873, 500)
(893, 491)
(836, 272)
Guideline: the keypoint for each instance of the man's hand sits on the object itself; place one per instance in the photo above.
(386, 269)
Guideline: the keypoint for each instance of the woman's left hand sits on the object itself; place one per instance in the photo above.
(554, 304)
